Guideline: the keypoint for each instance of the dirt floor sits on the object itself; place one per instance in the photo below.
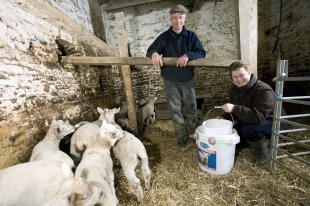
(177, 179)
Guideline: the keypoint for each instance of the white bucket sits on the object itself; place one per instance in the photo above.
(216, 146)
(217, 127)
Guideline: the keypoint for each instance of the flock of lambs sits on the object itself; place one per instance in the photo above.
(53, 178)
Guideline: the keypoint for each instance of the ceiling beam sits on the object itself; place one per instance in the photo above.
(112, 5)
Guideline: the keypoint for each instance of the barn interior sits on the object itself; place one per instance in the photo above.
(65, 58)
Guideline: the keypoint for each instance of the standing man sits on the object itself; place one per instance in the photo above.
(179, 85)
(251, 104)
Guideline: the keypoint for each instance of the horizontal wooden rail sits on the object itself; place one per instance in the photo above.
(81, 60)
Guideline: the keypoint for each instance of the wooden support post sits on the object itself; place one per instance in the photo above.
(247, 11)
(123, 49)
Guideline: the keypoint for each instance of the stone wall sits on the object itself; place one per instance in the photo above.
(35, 87)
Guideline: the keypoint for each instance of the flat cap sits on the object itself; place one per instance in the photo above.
(178, 9)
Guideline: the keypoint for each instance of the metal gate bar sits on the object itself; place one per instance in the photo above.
(281, 77)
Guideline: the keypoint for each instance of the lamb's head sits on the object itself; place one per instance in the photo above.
(110, 133)
(61, 128)
(109, 114)
(152, 99)
(76, 192)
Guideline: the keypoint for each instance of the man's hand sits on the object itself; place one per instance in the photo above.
(228, 107)
(156, 59)
(182, 61)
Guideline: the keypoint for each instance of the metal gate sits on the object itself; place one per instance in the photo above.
(277, 135)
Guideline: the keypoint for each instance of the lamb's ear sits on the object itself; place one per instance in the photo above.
(117, 110)
(54, 120)
(68, 198)
(99, 110)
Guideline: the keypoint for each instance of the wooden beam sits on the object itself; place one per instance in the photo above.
(112, 5)
(79, 60)
(237, 26)
(123, 50)
(248, 29)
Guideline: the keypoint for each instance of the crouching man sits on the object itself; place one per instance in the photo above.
(251, 104)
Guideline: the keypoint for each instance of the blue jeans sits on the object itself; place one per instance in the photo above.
(254, 132)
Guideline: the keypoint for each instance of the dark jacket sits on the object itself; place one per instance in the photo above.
(167, 45)
(253, 103)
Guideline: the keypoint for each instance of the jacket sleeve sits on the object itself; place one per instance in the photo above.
(262, 106)
(156, 46)
(197, 51)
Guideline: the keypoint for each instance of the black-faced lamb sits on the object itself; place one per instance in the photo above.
(130, 151)
(48, 148)
(46, 183)
(96, 165)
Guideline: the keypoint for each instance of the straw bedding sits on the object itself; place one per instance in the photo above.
(178, 180)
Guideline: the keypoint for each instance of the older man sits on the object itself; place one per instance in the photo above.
(179, 85)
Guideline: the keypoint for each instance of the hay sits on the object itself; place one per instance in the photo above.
(177, 179)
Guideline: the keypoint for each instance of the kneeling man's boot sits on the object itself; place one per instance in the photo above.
(260, 150)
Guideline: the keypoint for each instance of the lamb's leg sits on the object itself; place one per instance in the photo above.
(111, 183)
(133, 180)
(154, 118)
(76, 157)
(146, 172)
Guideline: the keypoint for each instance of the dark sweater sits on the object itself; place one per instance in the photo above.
(168, 45)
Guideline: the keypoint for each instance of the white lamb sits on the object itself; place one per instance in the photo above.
(48, 148)
(144, 112)
(129, 151)
(47, 183)
(84, 136)
(97, 166)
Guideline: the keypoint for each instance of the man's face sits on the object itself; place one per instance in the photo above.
(177, 21)
(240, 77)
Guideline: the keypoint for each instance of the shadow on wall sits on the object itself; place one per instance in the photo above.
(97, 19)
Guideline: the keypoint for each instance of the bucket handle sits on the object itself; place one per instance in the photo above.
(217, 107)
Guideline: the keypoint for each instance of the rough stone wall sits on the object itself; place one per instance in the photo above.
(293, 44)
(35, 87)
(86, 13)
(214, 24)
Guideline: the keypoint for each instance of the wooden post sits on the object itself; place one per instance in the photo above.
(123, 50)
(248, 32)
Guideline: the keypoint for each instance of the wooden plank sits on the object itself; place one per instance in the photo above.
(122, 42)
(79, 60)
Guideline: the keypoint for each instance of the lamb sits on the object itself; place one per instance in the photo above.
(129, 151)
(96, 165)
(83, 137)
(48, 148)
(144, 112)
(45, 183)
(123, 123)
